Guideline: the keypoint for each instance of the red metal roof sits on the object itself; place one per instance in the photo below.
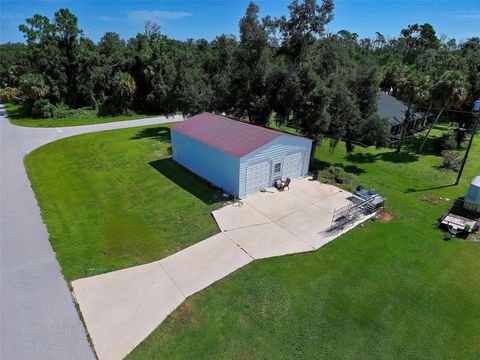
(231, 136)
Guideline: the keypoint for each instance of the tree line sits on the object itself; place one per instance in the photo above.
(287, 68)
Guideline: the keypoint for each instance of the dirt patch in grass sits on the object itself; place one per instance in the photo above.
(243, 354)
(183, 312)
(386, 216)
(186, 314)
(430, 199)
(474, 237)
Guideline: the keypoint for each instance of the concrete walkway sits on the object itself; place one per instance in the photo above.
(37, 315)
(122, 308)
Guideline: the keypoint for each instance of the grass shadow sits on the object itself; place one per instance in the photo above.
(160, 133)
(399, 158)
(362, 158)
(392, 156)
(411, 190)
(195, 185)
(353, 169)
(319, 165)
(15, 112)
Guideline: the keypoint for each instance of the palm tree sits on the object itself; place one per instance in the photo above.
(450, 91)
(33, 87)
(424, 98)
(411, 89)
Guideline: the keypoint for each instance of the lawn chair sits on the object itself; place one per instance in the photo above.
(282, 185)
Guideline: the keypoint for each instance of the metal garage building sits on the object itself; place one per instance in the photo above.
(238, 157)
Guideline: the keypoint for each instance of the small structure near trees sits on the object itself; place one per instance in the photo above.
(463, 216)
(393, 110)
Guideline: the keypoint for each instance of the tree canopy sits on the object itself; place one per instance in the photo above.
(287, 69)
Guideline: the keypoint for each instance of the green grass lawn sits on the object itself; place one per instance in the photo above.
(284, 128)
(18, 117)
(116, 199)
(392, 290)
(272, 124)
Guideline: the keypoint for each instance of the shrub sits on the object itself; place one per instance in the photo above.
(10, 95)
(42, 108)
(335, 174)
(451, 160)
(446, 141)
(61, 111)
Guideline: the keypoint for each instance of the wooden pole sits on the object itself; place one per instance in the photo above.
(474, 131)
(430, 129)
(404, 127)
(312, 156)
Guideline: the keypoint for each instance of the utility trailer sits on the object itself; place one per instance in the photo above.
(463, 216)
(457, 218)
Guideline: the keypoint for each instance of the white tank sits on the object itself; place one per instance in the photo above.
(472, 199)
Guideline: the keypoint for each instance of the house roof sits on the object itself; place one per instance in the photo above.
(392, 109)
(231, 136)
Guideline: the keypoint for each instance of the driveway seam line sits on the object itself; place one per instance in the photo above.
(303, 208)
(275, 222)
(171, 278)
(299, 238)
(247, 226)
(306, 206)
(309, 204)
(245, 251)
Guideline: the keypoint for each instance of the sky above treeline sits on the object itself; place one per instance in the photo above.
(207, 19)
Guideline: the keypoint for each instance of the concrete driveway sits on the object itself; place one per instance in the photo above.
(38, 319)
(121, 308)
(299, 218)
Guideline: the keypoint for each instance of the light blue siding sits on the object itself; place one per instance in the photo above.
(473, 194)
(219, 168)
(274, 152)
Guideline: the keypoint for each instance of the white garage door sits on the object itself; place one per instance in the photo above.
(258, 177)
(292, 166)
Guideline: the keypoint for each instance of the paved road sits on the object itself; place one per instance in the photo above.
(37, 315)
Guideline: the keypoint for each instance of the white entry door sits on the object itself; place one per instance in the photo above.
(258, 177)
(292, 166)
